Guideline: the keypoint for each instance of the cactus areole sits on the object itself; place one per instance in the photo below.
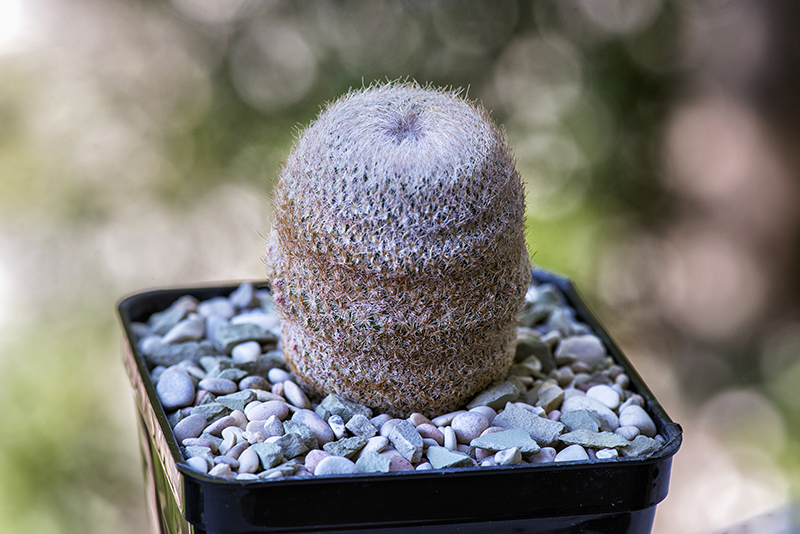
(397, 256)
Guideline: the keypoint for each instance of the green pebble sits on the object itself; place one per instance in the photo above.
(212, 411)
(230, 335)
(507, 439)
(306, 434)
(238, 400)
(594, 440)
(372, 462)
(442, 458)
(496, 395)
(270, 454)
(347, 447)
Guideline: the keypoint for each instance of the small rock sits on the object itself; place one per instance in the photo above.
(243, 296)
(219, 306)
(322, 431)
(249, 461)
(443, 458)
(429, 431)
(571, 454)
(269, 454)
(162, 322)
(337, 426)
(450, 439)
(305, 433)
(372, 462)
(641, 446)
(230, 335)
(586, 348)
(469, 426)
(216, 428)
(189, 427)
(198, 464)
(511, 456)
(335, 404)
(546, 455)
(276, 374)
(594, 440)
(200, 452)
(272, 427)
(313, 458)
(218, 386)
(446, 419)
(379, 420)
(211, 411)
(407, 441)
(200, 442)
(376, 444)
(634, 415)
(550, 397)
(265, 410)
(246, 352)
(359, 425)
(232, 374)
(254, 382)
(582, 402)
(221, 470)
(496, 395)
(291, 445)
(542, 430)
(175, 389)
(417, 419)
(191, 329)
(581, 420)
(335, 465)
(265, 321)
(238, 400)
(604, 394)
(347, 447)
(628, 432)
(507, 439)
(398, 462)
(488, 412)
(167, 354)
(424, 466)
(605, 454)
(295, 395)
(388, 426)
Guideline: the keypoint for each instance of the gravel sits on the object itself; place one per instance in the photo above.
(239, 412)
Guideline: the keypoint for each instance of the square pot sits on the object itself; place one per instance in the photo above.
(615, 496)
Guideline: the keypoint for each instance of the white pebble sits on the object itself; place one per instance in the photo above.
(605, 454)
(246, 476)
(272, 427)
(424, 466)
(277, 374)
(295, 395)
(337, 425)
(246, 352)
(604, 394)
(446, 419)
(511, 456)
(635, 415)
(335, 465)
(572, 453)
(190, 329)
(628, 432)
(375, 444)
(198, 464)
(450, 440)
(221, 470)
(248, 461)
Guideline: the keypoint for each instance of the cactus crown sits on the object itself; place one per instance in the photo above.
(397, 254)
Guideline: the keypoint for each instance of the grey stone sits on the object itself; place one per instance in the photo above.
(407, 441)
(189, 427)
(582, 402)
(218, 386)
(212, 411)
(538, 350)
(292, 445)
(335, 404)
(213, 364)
(594, 440)
(246, 352)
(306, 434)
(200, 442)
(238, 400)
(542, 430)
(233, 374)
(469, 425)
(167, 354)
(269, 454)
(230, 335)
(496, 395)
(191, 329)
(175, 389)
(162, 322)
(581, 420)
(220, 306)
(572, 453)
(263, 364)
(286, 469)
(243, 296)
(550, 397)
(323, 432)
(360, 425)
(443, 458)
(641, 446)
(212, 323)
(335, 465)
(498, 441)
(337, 425)
(372, 462)
(347, 447)
(511, 456)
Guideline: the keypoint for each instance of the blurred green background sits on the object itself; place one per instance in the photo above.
(658, 139)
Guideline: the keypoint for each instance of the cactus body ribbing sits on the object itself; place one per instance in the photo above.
(397, 256)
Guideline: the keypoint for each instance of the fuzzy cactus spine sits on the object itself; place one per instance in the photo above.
(397, 254)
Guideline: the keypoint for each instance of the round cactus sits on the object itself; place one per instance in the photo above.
(397, 255)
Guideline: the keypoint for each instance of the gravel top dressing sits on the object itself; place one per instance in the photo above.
(238, 412)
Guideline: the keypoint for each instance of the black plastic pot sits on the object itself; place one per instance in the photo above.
(616, 496)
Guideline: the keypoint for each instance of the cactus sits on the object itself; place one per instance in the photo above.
(397, 255)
